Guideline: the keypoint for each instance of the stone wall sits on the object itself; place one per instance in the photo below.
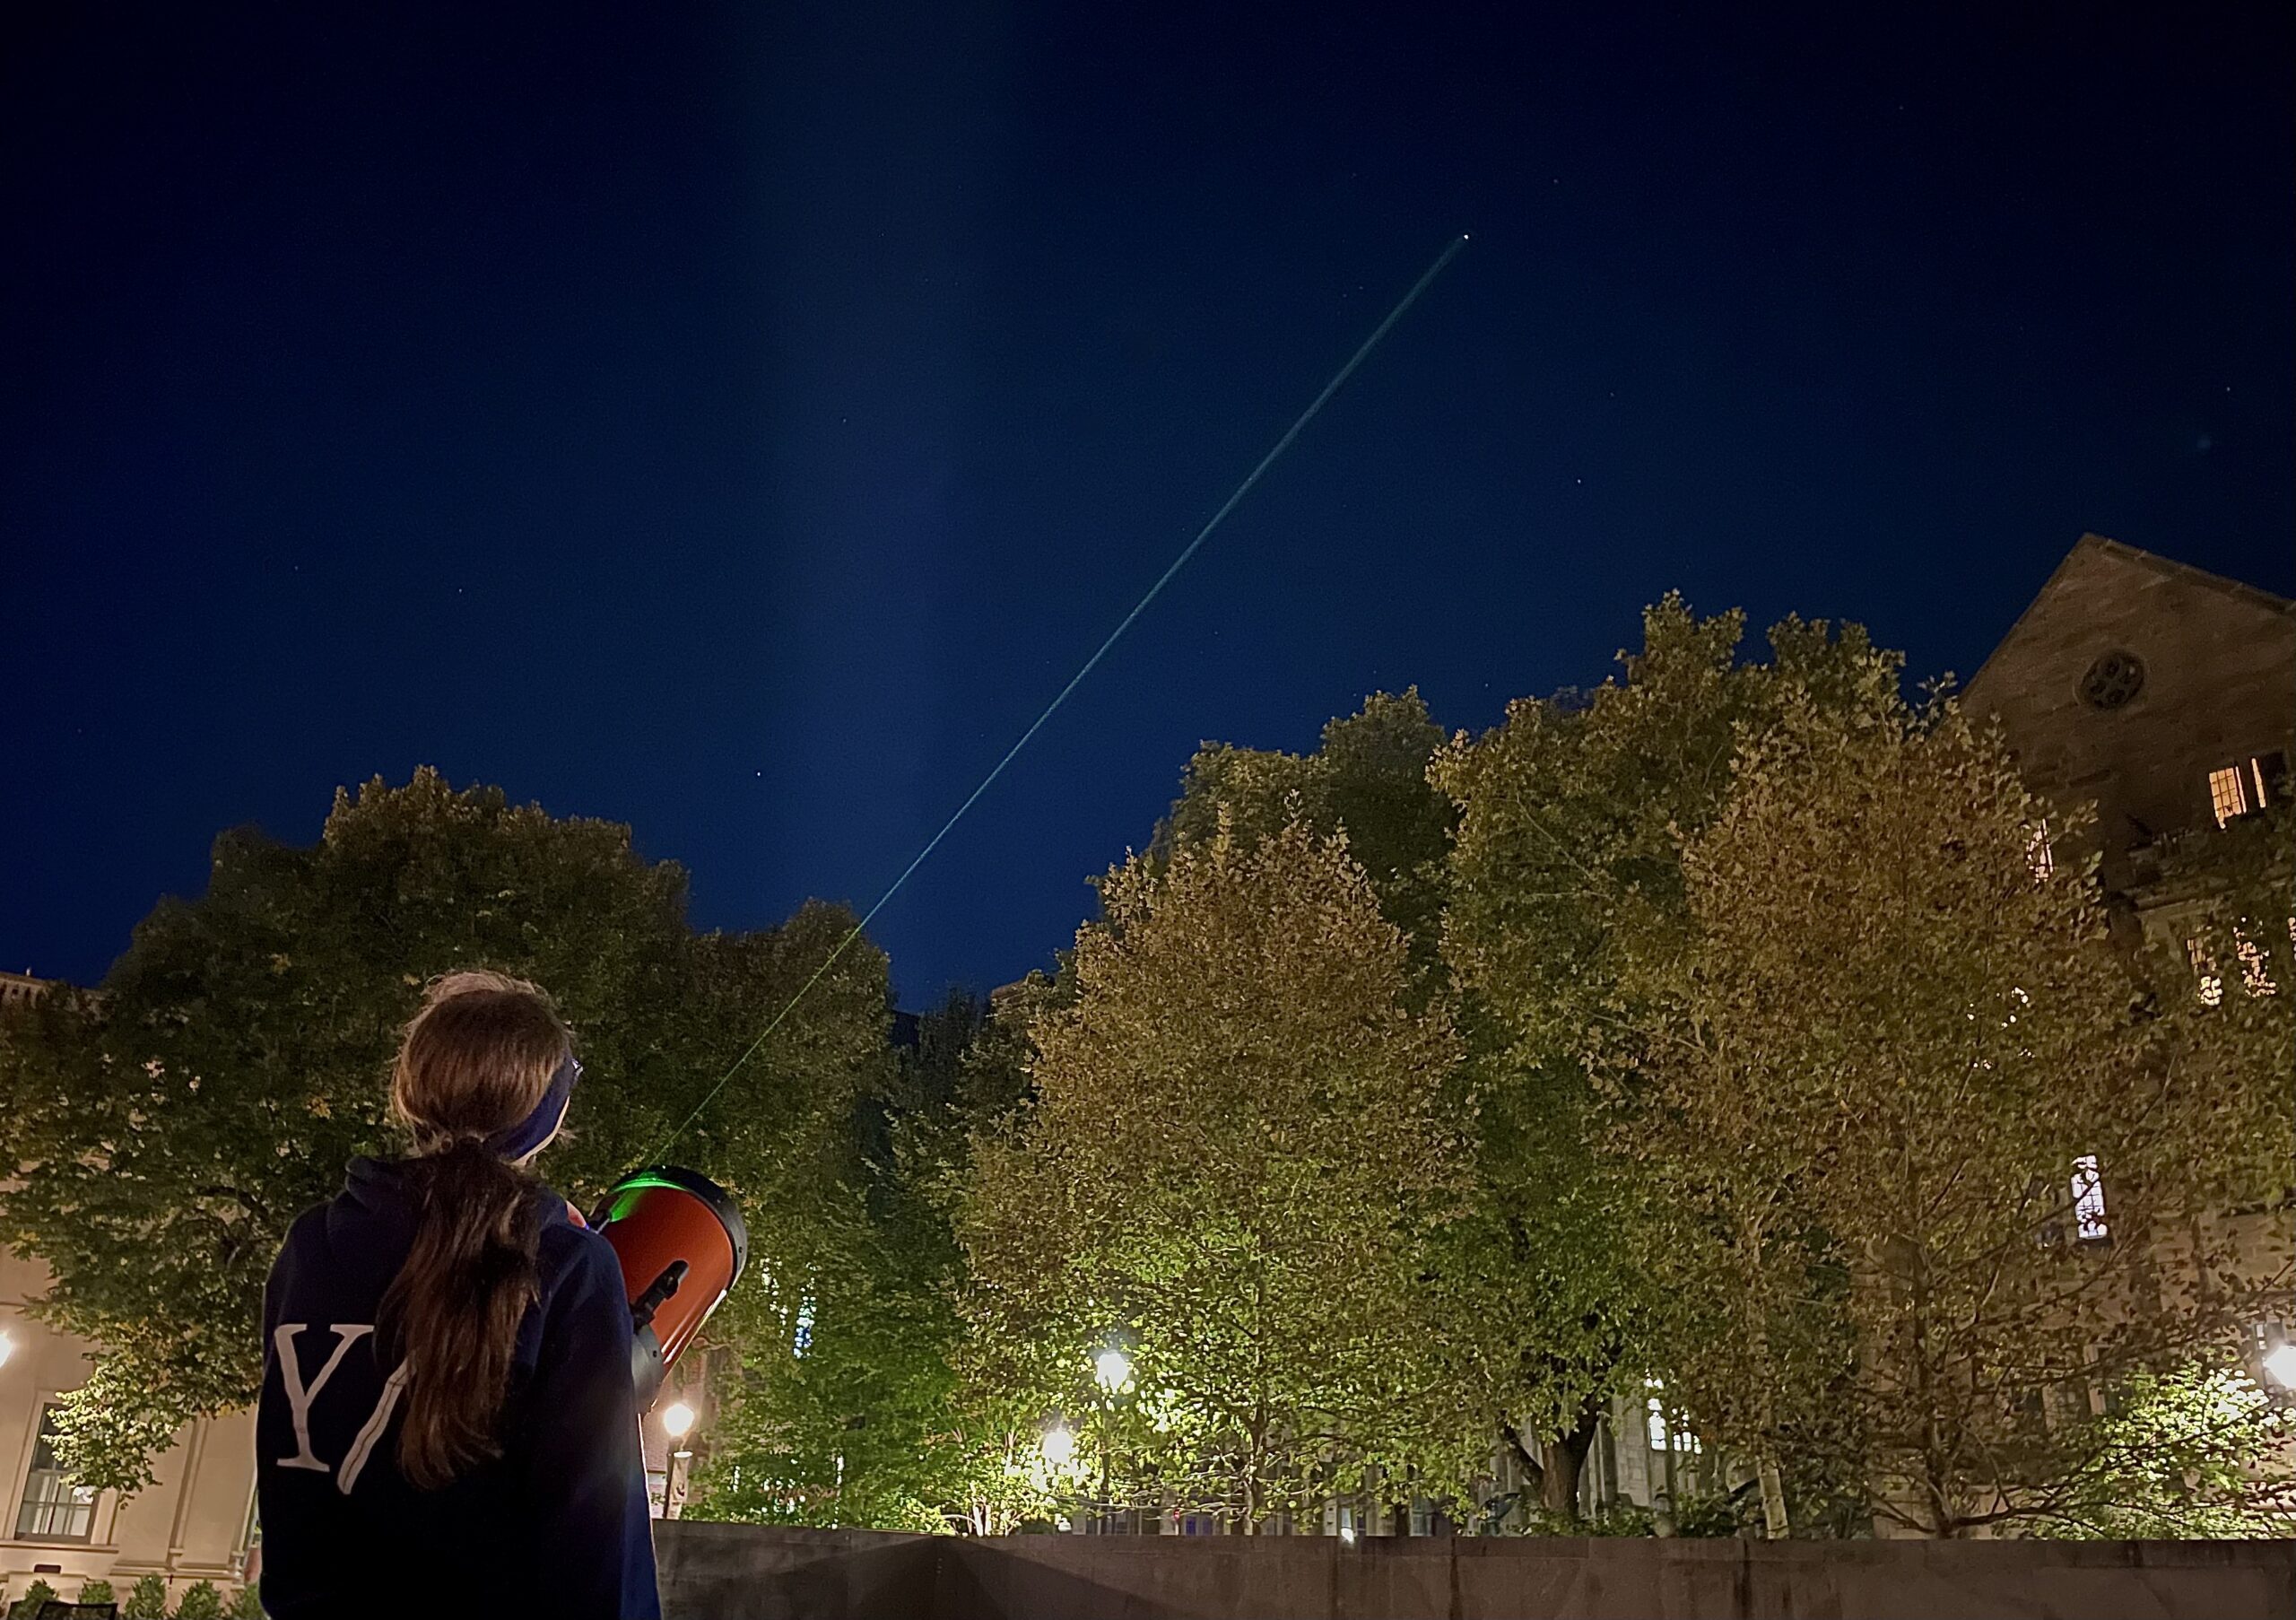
(712, 1571)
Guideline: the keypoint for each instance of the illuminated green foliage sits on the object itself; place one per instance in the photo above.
(1238, 1139)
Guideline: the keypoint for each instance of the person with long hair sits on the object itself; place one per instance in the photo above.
(447, 1420)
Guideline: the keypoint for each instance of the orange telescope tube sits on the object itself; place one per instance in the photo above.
(683, 1244)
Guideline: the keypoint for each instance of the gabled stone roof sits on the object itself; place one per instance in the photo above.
(2097, 545)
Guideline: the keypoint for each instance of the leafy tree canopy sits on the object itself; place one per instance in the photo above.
(1566, 881)
(1369, 779)
(1872, 1091)
(168, 1129)
(1240, 1135)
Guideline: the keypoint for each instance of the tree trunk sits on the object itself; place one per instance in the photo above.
(1533, 1468)
(1563, 1459)
(1773, 1488)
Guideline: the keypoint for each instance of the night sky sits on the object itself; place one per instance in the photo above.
(738, 421)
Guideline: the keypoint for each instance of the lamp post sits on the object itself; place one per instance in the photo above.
(1059, 1446)
(677, 1422)
(1112, 1372)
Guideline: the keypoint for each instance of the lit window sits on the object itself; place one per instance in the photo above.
(1665, 1435)
(2089, 1199)
(2254, 977)
(53, 1509)
(2227, 793)
(2203, 967)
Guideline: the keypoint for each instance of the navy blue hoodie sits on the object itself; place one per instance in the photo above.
(557, 1526)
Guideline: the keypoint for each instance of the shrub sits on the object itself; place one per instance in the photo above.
(201, 1602)
(248, 1605)
(36, 1595)
(95, 1591)
(1618, 1516)
(1722, 1515)
(147, 1599)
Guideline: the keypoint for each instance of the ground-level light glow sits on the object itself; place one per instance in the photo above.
(2280, 1365)
(1059, 1445)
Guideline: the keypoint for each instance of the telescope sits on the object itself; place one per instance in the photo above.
(683, 1244)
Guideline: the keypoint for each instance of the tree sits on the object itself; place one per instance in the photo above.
(1881, 1092)
(867, 1418)
(1239, 1136)
(167, 1130)
(1565, 880)
(1369, 780)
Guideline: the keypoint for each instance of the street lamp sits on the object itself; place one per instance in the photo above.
(1059, 1444)
(2280, 1365)
(1112, 1370)
(677, 1422)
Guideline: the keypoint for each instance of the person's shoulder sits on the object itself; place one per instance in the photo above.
(307, 1235)
(569, 1251)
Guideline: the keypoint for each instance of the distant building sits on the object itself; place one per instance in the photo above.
(194, 1525)
(2163, 694)
(2166, 696)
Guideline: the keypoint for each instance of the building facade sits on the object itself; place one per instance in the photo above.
(194, 1524)
(2164, 695)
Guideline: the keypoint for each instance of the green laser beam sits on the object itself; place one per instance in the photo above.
(1442, 262)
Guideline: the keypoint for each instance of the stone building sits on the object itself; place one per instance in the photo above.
(2164, 695)
(195, 1524)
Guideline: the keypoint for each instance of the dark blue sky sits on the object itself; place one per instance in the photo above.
(739, 421)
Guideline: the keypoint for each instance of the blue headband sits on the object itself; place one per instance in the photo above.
(516, 1141)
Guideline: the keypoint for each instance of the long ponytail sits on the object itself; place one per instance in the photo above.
(477, 1060)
